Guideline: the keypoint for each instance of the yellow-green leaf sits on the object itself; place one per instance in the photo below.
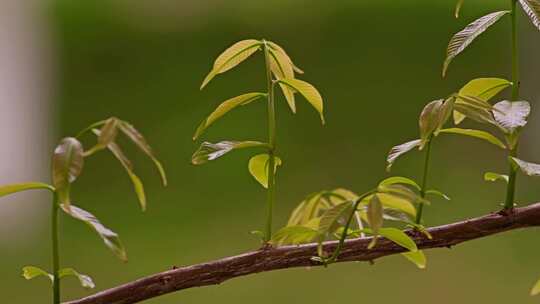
(476, 133)
(85, 280)
(492, 177)
(282, 68)
(397, 203)
(483, 88)
(259, 165)
(375, 213)
(14, 188)
(30, 272)
(399, 237)
(294, 235)
(416, 257)
(536, 289)
(224, 108)
(231, 57)
(429, 120)
(458, 8)
(308, 91)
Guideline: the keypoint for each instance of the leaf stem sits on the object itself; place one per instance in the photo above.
(55, 253)
(424, 180)
(345, 233)
(511, 188)
(272, 144)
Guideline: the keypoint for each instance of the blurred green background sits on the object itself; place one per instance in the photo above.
(376, 64)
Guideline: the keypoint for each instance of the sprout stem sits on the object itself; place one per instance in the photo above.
(511, 188)
(272, 143)
(55, 253)
(424, 181)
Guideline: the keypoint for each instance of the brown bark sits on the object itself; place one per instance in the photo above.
(269, 259)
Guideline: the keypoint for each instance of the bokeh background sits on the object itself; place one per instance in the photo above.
(65, 64)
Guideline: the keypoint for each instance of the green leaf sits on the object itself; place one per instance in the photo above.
(85, 280)
(224, 108)
(282, 68)
(231, 57)
(536, 289)
(400, 180)
(138, 139)
(126, 163)
(458, 8)
(416, 257)
(110, 238)
(14, 188)
(429, 120)
(438, 193)
(475, 133)
(530, 169)
(399, 150)
(511, 115)
(30, 272)
(399, 237)
(209, 151)
(532, 9)
(330, 220)
(67, 165)
(258, 167)
(464, 38)
(492, 177)
(483, 88)
(309, 92)
(294, 235)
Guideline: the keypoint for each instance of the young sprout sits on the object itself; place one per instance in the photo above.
(341, 214)
(464, 38)
(280, 71)
(67, 165)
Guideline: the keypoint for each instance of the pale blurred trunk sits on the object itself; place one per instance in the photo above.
(25, 114)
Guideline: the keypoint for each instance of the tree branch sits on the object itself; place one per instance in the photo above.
(269, 259)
